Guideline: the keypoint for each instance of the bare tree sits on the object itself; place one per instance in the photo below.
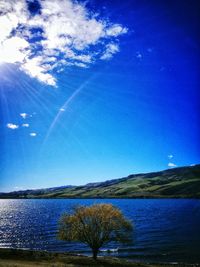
(95, 226)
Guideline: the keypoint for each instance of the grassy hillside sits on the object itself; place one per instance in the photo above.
(180, 182)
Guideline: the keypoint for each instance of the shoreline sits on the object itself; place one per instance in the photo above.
(23, 257)
(137, 197)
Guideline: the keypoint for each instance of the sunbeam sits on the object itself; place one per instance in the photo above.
(65, 106)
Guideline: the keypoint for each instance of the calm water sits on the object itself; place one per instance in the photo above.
(165, 230)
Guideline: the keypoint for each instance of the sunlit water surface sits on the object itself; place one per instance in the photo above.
(164, 230)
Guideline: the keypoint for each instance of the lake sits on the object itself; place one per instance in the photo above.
(165, 230)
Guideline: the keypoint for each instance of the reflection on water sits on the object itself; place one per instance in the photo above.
(164, 230)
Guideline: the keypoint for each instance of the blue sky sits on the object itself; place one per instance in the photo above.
(97, 90)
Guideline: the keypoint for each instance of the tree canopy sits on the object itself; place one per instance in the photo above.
(95, 226)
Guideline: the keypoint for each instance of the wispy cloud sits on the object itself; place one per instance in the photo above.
(111, 49)
(63, 33)
(12, 126)
(170, 156)
(171, 165)
(138, 55)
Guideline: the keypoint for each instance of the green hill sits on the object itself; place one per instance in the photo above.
(182, 182)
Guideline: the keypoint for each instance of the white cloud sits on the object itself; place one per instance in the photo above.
(23, 115)
(115, 30)
(35, 69)
(111, 49)
(67, 34)
(25, 125)
(171, 165)
(80, 64)
(62, 109)
(12, 126)
(170, 156)
(13, 13)
(14, 50)
(33, 134)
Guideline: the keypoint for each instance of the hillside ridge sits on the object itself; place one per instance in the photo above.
(179, 182)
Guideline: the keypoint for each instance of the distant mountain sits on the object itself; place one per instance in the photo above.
(182, 182)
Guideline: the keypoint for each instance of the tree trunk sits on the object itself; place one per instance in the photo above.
(94, 253)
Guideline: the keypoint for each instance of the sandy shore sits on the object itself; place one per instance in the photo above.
(26, 258)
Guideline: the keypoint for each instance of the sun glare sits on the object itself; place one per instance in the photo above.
(13, 50)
